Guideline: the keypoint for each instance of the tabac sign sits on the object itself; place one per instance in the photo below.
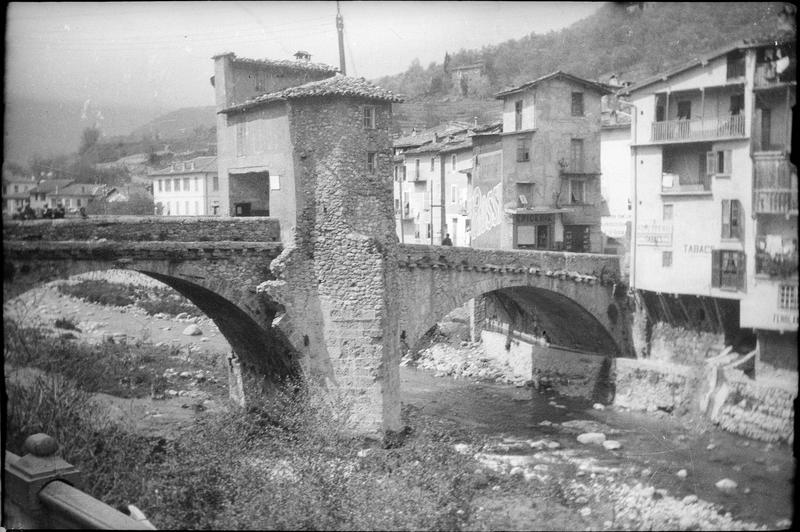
(654, 234)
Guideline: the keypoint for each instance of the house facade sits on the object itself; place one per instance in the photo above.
(545, 171)
(74, 196)
(16, 192)
(715, 195)
(253, 147)
(187, 188)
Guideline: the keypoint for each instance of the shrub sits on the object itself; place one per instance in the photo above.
(66, 323)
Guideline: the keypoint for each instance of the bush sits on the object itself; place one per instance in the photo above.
(66, 323)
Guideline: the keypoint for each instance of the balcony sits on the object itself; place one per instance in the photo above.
(775, 187)
(779, 262)
(766, 76)
(682, 185)
(698, 129)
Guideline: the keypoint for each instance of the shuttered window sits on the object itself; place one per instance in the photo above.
(732, 219)
(728, 269)
(719, 163)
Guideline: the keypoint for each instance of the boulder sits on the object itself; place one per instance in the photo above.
(726, 485)
(596, 438)
(612, 445)
(192, 330)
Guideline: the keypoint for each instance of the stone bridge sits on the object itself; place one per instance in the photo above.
(284, 311)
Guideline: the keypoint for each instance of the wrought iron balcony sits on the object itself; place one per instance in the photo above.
(698, 129)
(775, 187)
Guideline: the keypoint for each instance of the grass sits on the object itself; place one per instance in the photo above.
(152, 300)
(290, 461)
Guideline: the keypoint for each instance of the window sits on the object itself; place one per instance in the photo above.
(684, 110)
(732, 219)
(416, 168)
(668, 210)
(453, 162)
(160, 185)
(16, 188)
(727, 269)
(176, 185)
(186, 183)
(577, 104)
(372, 161)
(241, 138)
(197, 184)
(186, 205)
(577, 191)
(737, 104)
(718, 163)
(788, 297)
(518, 115)
(215, 183)
(78, 202)
(396, 172)
(661, 107)
(396, 205)
(433, 163)
(428, 230)
(523, 150)
(168, 185)
(576, 156)
(453, 194)
(666, 259)
(369, 117)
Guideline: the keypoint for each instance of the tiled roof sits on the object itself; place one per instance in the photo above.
(46, 187)
(778, 38)
(80, 189)
(282, 63)
(600, 87)
(206, 163)
(334, 86)
(428, 135)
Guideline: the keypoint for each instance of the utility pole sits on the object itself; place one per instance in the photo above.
(340, 29)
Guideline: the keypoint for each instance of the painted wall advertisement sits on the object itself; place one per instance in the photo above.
(486, 201)
(654, 233)
(614, 226)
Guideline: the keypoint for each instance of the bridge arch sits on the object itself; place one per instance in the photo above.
(244, 318)
(580, 310)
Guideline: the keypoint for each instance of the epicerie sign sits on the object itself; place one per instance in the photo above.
(654, 234)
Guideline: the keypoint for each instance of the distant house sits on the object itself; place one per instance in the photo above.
(44, 194)
(187, 188)
(16, 192)
(73, 196)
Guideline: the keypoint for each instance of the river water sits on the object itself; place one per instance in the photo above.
(654, 448)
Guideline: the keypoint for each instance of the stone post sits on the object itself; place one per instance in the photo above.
(25, 477)
(235, 380)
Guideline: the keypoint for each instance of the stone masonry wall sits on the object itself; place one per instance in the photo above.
(650, 385)
(144, 228)
(684, 346)
(338, 279)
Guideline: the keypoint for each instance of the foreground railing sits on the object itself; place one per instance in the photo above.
(39, 492)
(698, 128)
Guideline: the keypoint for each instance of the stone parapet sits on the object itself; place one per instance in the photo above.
(147, 228)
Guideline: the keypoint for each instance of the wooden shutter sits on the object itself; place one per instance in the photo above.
(740, 271)
(736, 219)
(711, 163)
(726, 218)
(715, 269)
(727, 161)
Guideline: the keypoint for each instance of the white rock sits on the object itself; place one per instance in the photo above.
(192, 330)
(585, 511)
(726, 485)
(363, 452)
(689, 499)
(612, 445)
(682, 473)
(599, 406)
(461, 448)
(596, 438)
(710, 447)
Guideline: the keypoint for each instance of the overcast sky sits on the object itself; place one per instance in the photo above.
(160, 52)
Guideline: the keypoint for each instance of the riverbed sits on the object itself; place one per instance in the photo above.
(663, 457)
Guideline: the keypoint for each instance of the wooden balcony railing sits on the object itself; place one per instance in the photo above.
(775, 184)
(767, 75)
(698, 129)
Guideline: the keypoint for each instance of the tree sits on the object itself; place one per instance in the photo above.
(89, 138)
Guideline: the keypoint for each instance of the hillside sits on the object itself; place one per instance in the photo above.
(46, 128)
(634, 40)
(180, 124)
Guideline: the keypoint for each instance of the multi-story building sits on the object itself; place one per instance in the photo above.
(715, 194)
(545, 178)
(187, 188)
(615, 179)
(252, 159)
(419, 178)
(73, 196)
(47, 193)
